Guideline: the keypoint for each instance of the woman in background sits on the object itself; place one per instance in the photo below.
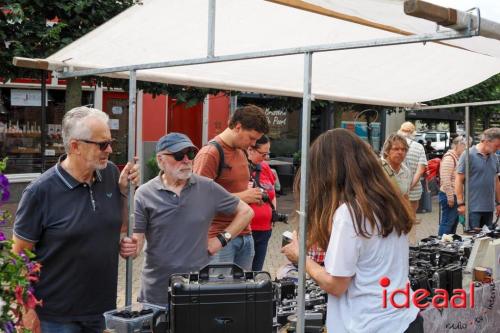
(264, 179)
(361, 218)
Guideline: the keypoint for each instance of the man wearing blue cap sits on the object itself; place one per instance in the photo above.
(173, 213)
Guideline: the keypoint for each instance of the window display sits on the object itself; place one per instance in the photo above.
(20, 128)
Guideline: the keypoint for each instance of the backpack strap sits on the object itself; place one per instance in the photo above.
(222, 163)
(388, 170)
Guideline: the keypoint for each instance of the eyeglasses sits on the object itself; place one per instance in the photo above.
(103, 145)
(263, 154)
(179, 156)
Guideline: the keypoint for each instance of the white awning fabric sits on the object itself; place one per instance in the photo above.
(159, 30)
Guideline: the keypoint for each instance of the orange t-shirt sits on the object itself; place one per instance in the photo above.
(234, 179)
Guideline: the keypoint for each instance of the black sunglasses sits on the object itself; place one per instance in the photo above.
(179, 156)
(103, 145)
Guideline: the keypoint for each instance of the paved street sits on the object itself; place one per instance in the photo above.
(274, 259)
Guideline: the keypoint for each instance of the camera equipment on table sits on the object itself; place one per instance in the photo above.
(438, 265)
(286, 305)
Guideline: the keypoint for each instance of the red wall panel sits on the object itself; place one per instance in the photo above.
(154, 117)
(218, 114)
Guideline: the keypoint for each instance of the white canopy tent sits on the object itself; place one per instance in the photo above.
(399, 75)
(358, 71)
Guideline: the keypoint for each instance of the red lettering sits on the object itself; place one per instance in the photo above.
(405, 292)
(384, 299)
(461, 296)
(441, 295)
(471, 295)
(418, 296)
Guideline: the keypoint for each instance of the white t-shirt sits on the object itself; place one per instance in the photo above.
(367, 260)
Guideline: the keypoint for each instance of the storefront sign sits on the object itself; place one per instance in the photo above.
(26, 97)
(277, 122)
(114, 124)
(118, 110)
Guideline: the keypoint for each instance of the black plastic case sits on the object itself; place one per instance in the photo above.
(221, 298)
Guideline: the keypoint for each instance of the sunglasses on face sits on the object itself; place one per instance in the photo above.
(179, 156)
(103, 145)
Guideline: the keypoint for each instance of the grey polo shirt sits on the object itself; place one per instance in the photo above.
(483, 172)
(176, 230)
(76, 230)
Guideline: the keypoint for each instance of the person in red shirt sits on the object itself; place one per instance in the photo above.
(264, 179)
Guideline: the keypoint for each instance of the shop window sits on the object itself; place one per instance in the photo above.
(20, 128)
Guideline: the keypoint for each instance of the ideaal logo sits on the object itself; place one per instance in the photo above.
(418, 297)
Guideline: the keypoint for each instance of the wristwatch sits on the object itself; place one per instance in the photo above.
(460, 204)
(224, 237)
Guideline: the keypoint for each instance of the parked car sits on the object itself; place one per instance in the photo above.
(439, 140)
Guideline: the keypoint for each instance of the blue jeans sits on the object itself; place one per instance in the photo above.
(448, 220)
(240, 251)
(260, 241)
(94, 326)
(478, 219)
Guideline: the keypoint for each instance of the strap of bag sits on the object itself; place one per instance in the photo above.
(222, 163)
(258, 169)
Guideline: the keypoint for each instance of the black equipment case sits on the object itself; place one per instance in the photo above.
(221, 298)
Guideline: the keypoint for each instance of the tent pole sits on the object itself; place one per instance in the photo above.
(448, 35)
(466, 183)
(306, 129)
(211, 29)
(43, 120)
(131, 152)
(139, 143)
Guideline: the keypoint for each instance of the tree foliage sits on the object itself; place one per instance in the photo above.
(488, 90)
(39, 28)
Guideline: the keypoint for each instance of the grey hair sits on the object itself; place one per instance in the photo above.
(460, 140)
(491, 134)
(389, 142)
(74, 124)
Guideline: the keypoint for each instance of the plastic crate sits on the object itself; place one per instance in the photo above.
(140, 322)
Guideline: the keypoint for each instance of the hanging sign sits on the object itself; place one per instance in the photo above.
(27, 97)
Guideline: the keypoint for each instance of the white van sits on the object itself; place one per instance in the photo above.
(439, 140)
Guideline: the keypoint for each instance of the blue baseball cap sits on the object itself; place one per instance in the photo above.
(174, 142)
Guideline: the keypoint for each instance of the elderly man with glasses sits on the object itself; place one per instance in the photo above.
(173, 213)
(71, 217)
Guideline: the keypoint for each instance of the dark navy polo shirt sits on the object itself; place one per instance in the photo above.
(76, 231)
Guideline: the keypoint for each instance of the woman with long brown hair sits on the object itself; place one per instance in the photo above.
(356, 212)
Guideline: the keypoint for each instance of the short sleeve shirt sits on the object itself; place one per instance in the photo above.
(76, 231)
(366, 260)
(483, 172)
(234, 179)
(403, 177)
(415, 157)
(176, 229)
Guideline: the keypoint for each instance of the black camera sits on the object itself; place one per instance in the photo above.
(279, 217)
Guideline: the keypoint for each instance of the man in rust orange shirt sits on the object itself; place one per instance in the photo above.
(246, 126)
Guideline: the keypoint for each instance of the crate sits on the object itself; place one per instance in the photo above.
(144, 322)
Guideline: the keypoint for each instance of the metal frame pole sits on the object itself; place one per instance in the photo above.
(204, 126)
(306, 130)
(448, 35)
(131, 152)
(139, 143)
(466, 183)
(211, 29)
(43, 121)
